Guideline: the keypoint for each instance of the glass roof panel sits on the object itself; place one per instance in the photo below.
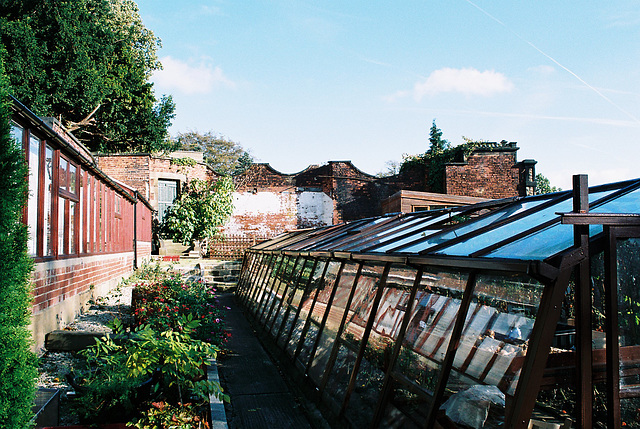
(393, 236)
(496, 216)
(556, 238)
(510, 229)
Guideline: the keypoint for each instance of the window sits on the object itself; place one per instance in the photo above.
(67, 206)
(48, 192)
(167, 193)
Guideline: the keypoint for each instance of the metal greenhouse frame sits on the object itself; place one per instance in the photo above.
(516, 313)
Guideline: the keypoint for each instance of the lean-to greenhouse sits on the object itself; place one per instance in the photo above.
(522, 312)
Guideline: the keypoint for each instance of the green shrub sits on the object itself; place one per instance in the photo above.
(17, 362)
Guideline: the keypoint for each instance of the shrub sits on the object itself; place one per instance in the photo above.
(17, 362)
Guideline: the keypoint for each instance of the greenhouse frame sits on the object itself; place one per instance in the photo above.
(521, 312)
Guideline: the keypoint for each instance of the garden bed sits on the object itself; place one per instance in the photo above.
(173, 329)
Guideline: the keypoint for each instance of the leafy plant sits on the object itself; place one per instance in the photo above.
(199, 212)
(170, 364)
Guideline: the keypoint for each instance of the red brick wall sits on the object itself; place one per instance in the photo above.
(485, 175)
(58, 281)
(130, 169)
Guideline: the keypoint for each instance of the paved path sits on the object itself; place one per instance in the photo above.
(260, 397)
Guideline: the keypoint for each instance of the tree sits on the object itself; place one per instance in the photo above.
(436, 143)
(17, 362)
(199, 211)
(223, 155)
(87, 62)
(543, 185)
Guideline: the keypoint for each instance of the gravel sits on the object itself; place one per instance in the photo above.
(54, 366)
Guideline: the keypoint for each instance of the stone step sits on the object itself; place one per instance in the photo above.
(70, 341)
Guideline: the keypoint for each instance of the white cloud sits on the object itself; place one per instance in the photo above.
(190, 78)
(467, 81)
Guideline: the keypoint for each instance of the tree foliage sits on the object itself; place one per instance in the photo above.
(434, 160)
(223, 155)
(199, 211)
(87, 62)
(17, 363)
(543, 185)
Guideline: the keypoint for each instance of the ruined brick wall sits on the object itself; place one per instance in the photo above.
(357, 194)
(261, 177)
(485, 174)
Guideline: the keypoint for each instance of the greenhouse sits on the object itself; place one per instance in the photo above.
(522, 312)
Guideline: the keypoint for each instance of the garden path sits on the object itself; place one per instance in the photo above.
(260, 395)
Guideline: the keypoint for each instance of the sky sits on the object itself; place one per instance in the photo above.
(300, 83)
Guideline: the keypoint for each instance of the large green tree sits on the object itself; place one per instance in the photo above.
(87, 62)
(223, 155)
(17, 362)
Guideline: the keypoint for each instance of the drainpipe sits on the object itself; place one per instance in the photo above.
(135, 231)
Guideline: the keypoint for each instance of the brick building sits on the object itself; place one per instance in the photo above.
(268, 202)
(158, 178)
(86, 230)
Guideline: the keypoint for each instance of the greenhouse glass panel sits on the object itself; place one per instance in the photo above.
(499, 215)
(334, 316)
(297, 333)
(492, 348)
(378, 351)
(510, 229)
(257, 286)
(314, 318)
(271, 282)
(280, 289)
(415, 373)
(348, 343)
(556, 238)
(628, 273)
(295, 285)
(298, 294)
(408, 233)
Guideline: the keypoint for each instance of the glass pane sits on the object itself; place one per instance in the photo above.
(394, 239)
(349, 341)
(63, 173)
(48, 191)
(17, 132)
(72, 178)
(304, 308)
(492, 347)
(295, 292)
(72, 227)
(415, 374)
(334, 319)
(380, 346)
(62, 249)
(496, 216)
(324, 292)
(273, 279)
(32, 207)
(279, 286)
(628, 255)
(546, 242)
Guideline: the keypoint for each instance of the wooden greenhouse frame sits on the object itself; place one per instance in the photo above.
(389, 318)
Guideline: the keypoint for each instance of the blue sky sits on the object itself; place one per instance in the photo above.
(306, 82)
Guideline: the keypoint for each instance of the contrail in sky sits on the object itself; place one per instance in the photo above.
(555, 62)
